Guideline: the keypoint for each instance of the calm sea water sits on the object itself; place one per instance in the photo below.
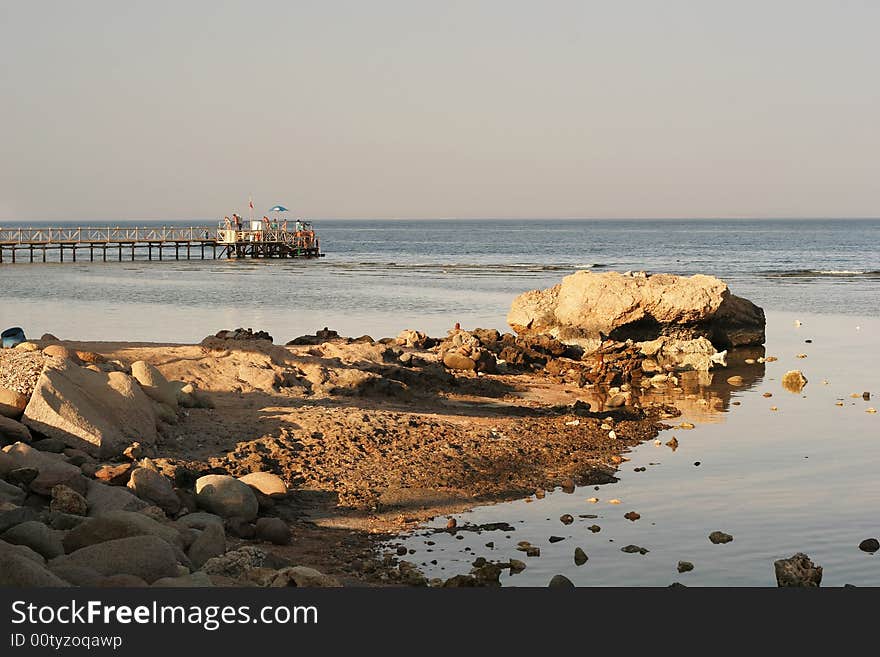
(381, 276)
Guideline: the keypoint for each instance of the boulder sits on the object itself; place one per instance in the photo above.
(14, 516)
(153, 487)
(100, 413)
(12, 431)
(115, 525)
(62, 353)
(52, 468)
(210, 543)
(102, 499)
(199, 520)
(77, 575)
(682, 355)
(11, 493)
(266, 483)
(68, 501)
(17, 571)
(302, 576)
(22, 550)
(589, 305)
(797, 571)
(148, 557)
(226, 496)
(12, 403)
(193, 580)
(273, 530)
(36, 536)
(154, 383)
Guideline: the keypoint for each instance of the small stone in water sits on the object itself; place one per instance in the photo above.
(685, 566)
(556, 539)
(735, 380)
(633, 549)
(540, 494)
(451, 523)
(770, 359)
(686, 425)
(593, 500)
(870, 410)
(697, 463)
(658, 442)
(580, 557)
(673, 443)
(632, 515)
(717, 537)
(866, 396)
(801, 356)
(774, 408)
(516, 566)
(768, 394)
(595, 528)
(869, 545)
(566, 519)
(614, 501)
(560, 582)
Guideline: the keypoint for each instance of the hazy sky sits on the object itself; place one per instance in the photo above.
(668, 108)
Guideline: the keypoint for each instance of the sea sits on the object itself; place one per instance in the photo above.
(379, 277)
(781, 472)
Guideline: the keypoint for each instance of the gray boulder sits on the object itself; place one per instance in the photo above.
(147, 557)
(273, 530)
(37, 537)
(103, 499)
(12, 517)
(22, 550)
(226, 496)
(53, 468)
(209, 544)
(154, 487)
(68, 501)
(114, 525)
(12, 431)
(199, 520)
(17, 571)
(11, 494)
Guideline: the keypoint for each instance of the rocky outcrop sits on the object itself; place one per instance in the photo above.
(100, 413)
(154, 383)
(588, 306)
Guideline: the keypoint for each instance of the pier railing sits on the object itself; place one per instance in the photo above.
(107, 234)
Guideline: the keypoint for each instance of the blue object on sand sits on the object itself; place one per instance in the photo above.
(12, 337)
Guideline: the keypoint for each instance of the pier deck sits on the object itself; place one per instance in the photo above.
(130, 243)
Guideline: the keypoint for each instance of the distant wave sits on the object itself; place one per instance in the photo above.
(824, 273)
(459, 267)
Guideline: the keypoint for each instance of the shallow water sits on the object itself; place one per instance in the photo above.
(800, 479)
(382, 276)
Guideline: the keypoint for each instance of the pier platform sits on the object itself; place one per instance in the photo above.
(153, 243)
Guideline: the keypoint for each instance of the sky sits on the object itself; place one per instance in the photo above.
(115, 111)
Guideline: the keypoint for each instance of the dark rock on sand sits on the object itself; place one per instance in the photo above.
(798, 571)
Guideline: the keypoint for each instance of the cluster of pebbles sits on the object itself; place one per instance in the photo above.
(19, 370)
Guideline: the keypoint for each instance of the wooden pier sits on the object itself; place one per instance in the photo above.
(153, 243)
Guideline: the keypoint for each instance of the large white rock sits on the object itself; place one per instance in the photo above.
(100, 413)
(638, 307)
